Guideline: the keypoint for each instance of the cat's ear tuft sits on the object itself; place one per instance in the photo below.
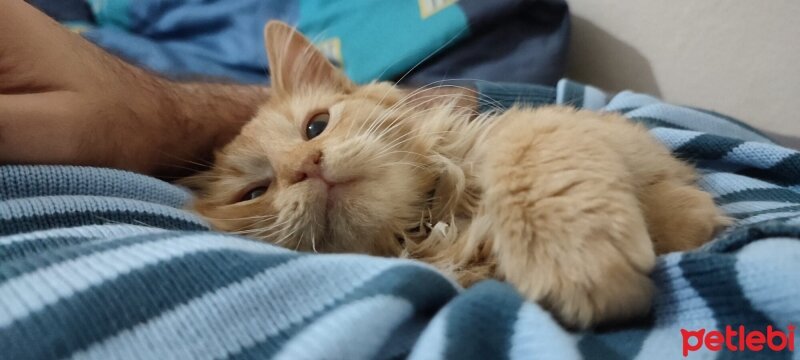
(294, 62)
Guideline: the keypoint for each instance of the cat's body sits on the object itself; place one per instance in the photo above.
(569, 206)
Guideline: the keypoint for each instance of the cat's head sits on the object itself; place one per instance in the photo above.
(327, 165)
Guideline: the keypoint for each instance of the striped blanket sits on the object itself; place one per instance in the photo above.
(104, 264)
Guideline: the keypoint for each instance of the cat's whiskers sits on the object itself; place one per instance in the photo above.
(414, 153)
(289, 228)
(302, 235)
(421, 167)
(402, 100)
(441, 84)
(264, 216)
(285, 228)
(380, 102)
(300, 240)
(398, 103)
(398, 119)
(432, 86)
(208, 176)
(406, 138)
(256, 217)
(378, 105)
(283, 239)
(186, 170)
(267, 230)
(449, 107)
(440, 48)
(413, 133)
(288, 234)
(401, 140)
(258, 231)
(384, 117)
(455, 36)
(389, 148)
(200, 165)
(495, 105)
(313, 242)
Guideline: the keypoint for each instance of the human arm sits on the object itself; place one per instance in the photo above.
(65, 101)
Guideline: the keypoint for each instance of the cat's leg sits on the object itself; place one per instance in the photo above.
(566, 227)
(680, 216)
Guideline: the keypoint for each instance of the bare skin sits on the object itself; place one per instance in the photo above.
(65, 101)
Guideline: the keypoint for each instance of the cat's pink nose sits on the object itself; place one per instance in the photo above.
(309, 168)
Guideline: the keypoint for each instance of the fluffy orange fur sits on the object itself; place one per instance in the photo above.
(569, 206)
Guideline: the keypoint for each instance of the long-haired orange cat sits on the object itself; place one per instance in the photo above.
(569, 206)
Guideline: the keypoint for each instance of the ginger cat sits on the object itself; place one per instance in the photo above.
(571, 207)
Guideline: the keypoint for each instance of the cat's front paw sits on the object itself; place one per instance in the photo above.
(586, 297)
(583, 291)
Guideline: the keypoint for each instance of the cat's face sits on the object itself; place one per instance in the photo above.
(325, 165)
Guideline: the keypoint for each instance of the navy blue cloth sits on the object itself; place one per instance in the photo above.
(65, 10)
(510, 41)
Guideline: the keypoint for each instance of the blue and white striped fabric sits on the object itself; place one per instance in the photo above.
(104, 264)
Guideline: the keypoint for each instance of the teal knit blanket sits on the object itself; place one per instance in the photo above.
(105, 264)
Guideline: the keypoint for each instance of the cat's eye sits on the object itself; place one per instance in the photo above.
(254, 193)
(317, 124)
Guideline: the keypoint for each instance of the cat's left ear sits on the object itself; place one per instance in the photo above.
(295, 63)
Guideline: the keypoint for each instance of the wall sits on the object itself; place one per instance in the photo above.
(737, 57)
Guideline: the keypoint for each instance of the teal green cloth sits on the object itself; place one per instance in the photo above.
(111, 12)
(360, 28)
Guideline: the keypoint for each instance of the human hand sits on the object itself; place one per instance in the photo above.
(65, 101)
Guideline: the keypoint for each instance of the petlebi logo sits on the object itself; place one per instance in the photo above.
(739, 339)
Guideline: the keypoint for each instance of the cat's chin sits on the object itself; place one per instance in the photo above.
(334, 197)
(338, 192)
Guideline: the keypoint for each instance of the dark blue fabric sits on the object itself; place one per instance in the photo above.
(494, 306)
(509, 41)
(65, 10)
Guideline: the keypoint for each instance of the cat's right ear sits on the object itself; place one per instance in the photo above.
(295, 63)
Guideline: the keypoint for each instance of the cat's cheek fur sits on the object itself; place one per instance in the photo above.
(234, 218)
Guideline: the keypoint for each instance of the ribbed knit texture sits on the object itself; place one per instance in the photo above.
(104, 264)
